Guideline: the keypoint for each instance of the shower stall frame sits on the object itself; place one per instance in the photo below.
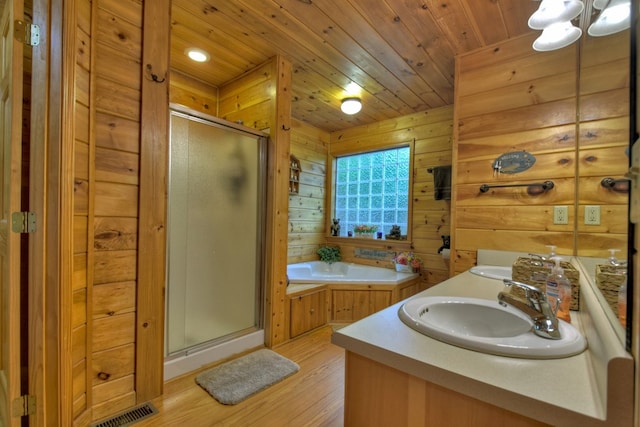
(202, 354)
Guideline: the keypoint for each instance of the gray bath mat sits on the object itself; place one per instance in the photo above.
(234, 381)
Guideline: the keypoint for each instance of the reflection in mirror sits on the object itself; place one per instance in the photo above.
(608, 279)
(602, 216)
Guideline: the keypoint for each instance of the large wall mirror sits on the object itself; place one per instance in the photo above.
(604, 141)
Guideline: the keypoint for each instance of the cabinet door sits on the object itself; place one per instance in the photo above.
(341, 306)
(308, 312)
(350, 305)
(378, 300)
(408, 291)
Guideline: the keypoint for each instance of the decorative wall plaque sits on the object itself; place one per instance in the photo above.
(514, 162)
(373, 254)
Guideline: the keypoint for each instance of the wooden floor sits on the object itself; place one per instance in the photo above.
(314, 396)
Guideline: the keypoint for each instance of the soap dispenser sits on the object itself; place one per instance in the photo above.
(559, 290)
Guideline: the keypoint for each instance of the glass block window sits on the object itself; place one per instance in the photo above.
(373, 189)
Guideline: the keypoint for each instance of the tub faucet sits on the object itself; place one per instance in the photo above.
(535, 305)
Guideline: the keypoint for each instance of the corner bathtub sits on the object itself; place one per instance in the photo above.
(319, 293)
(345, 273)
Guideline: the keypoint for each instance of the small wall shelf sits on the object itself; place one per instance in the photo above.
(294, 174)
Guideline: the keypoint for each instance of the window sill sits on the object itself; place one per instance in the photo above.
(384, 243)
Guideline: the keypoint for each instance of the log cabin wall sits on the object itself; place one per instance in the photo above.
(106, 89)
(430, 133)
(511, 98)
(80, 318)
(193, 93)
(307, 208)
(261, 99)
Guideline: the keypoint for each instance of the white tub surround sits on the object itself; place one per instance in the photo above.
(421, 378)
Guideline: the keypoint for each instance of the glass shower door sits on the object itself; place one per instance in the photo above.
(215, 215)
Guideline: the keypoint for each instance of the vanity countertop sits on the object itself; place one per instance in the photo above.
(567, 391)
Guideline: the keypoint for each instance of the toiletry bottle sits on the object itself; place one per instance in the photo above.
(552, 253)
(612, 256)
(559, 291)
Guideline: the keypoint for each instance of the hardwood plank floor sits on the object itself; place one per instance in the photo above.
(314, 396)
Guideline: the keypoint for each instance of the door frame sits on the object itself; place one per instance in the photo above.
(12, 335)
(44, 260)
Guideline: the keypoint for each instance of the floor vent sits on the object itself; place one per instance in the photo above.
(129, 417)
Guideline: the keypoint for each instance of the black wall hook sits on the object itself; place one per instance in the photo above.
(154, 77)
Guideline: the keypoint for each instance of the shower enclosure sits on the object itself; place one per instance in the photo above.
(215, 234)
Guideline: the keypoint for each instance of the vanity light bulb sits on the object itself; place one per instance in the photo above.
(614, 18)
(557, 36)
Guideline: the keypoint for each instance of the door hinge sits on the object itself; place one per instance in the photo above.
(24, 405)
(28, 34)
(23, 222)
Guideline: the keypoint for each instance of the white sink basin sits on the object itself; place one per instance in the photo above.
(486, 326)
(492, 271)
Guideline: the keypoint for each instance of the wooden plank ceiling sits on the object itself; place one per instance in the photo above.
(398, 53)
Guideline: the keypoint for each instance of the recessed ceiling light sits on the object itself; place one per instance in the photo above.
(197, 55)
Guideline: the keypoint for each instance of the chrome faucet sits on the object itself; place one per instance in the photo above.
(538, 260)
(535, 305)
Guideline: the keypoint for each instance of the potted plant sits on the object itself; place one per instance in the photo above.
(365, 230)
(329, 254)
(407, 262)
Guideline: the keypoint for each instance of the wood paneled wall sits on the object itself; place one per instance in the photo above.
(572, 118)
(192, 93)
(261, 99)
(307, 213)
(430, 134)
(602, 142)
(105, 175)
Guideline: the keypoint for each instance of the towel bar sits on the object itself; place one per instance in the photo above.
(533, 189)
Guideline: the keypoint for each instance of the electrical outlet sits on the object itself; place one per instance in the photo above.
(592, 215)
(560, 215)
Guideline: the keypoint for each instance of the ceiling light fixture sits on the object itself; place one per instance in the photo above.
(351, 105)
(197, 55)
(554, 17)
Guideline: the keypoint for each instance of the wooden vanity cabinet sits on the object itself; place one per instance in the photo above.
(376, 394)
(307, 311)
